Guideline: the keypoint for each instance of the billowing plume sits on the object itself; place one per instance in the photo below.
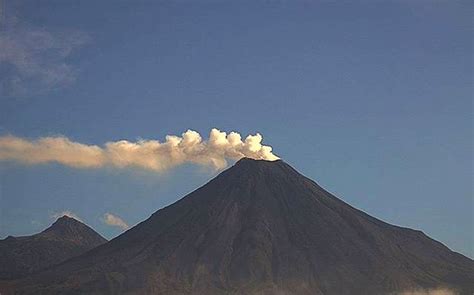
(146, 154)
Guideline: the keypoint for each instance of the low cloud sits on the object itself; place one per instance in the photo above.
(114, 220)
(35, 60)
(438, 291)
(65, 213)
(147, 154)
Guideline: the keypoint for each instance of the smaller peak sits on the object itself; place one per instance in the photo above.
(64, 217)
(65, 221)
(65, 225)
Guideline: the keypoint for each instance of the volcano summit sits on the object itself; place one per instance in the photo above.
(259, 227)
(65, 238)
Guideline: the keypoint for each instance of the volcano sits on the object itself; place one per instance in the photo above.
(259, 227)
(65, 238)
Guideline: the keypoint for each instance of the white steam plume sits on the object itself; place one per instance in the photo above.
(146, 154)
(114, 220)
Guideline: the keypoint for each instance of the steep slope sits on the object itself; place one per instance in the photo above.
(66, 238)
(260, 227)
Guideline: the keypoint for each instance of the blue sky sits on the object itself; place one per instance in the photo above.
(372, 100)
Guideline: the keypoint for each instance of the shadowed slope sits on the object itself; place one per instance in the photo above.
(260, 227)
(66, 238)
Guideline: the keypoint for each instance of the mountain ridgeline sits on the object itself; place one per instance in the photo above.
(66, 238)
(259, 227)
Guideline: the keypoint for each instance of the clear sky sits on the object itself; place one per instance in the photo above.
(372, 100)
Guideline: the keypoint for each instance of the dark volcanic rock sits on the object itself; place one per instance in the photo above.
(259, 228)
(66, 238)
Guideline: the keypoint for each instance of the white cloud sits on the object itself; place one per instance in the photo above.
(146, 154)
(114, 220)
(34, 60)
(65, 213)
